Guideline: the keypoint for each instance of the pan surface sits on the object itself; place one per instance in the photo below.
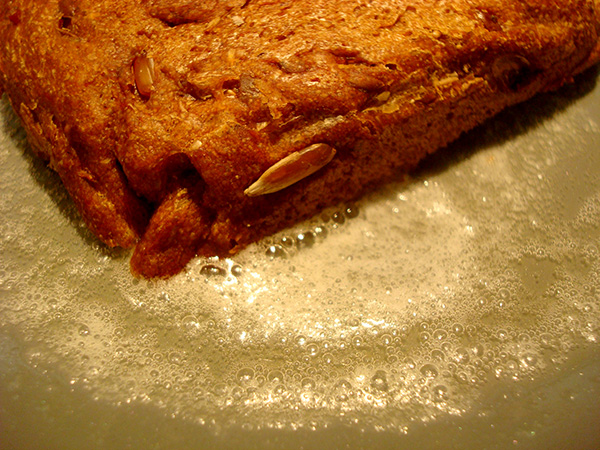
(455, 308)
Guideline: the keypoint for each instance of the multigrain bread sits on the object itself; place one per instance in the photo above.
(184, 127)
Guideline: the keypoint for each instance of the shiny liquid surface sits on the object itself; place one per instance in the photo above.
(455, 308)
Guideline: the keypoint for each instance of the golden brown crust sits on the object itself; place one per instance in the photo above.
(237, 85)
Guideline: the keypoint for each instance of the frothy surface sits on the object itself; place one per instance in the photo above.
(466, 295)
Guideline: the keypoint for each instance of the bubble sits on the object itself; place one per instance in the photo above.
(338, 218)
(440, 393)
(440, 335)
(429, 371)
(279, 390)
(478, 350)
(287, 242)
(190, 323)
(118, 332)
(245, 375)
(211, 270)
(351, 211)
(386, 339)
(461, 356)
(458, 329)
(306, 239)
(237, 393)
(502, 335)
(219, 389)
(327, 358)
(343, 390)
(312, 349)
(84, 330)
(237, 270)
(308, 384)
(276, 251)
(320, 232)
(300, 340)
(504, 294)
(438, 355)
(275, 376)
(357, 341)
(379, 381)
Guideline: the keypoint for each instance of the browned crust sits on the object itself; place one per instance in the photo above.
(242, 84)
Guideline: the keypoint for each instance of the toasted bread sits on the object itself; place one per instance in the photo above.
(185, 127)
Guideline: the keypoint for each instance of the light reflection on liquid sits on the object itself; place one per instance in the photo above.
(418, 305)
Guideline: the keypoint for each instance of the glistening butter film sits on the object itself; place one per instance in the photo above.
(455, 307)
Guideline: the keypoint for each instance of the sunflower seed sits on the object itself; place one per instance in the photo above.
(292, 169)
(143, 72)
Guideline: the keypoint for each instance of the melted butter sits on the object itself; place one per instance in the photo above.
(460, 305)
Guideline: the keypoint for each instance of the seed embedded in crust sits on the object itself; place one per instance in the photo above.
(292, 169)
(143, 72)
(511, 72)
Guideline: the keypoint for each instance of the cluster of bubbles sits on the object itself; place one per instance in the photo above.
(410, 309)
(284, 245)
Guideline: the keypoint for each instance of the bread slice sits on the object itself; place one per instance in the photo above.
(184, 127)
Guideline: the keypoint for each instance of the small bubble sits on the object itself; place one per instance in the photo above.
(343, 391)
(440, 393)
(429, 371)
(440, 335)
(379, 381)
(386, 339)
(237, 393)
(320, 232)
(237, 270)
(523, 337)
(275, 376)
(287, 241)
(461, 356)
(300, 340)
(338, 218)
(210, 270)
(529, 360)
(245, 375)
(312, 349)
(279, 389)
(84, 330)
(220, 389)
(276, 251)
(190, 323)
(119, 332)
(504, 294)
(438, 355)
(357, 341)
(306, 239)
(351, 211)
(458, 329)
(308, 384)
(164, 297)
(175, 358)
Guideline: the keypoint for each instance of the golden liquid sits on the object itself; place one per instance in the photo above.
(459, 309)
